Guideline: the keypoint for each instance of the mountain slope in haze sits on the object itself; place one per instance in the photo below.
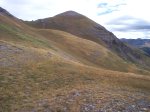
(143, 44)
(83, 27)
(55, 71)
(137, 42)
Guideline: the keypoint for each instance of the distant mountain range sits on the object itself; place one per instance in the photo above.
(69, 63)
(143, 44)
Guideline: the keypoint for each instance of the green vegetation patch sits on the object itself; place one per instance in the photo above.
(16, 33)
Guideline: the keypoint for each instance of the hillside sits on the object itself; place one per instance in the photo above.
(83, 27)
(82, 50)
(56, 71)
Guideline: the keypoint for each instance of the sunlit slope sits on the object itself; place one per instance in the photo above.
(29, 76)
(87, 51)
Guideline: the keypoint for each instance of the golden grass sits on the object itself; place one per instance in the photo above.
(31, 71)
(22, 88)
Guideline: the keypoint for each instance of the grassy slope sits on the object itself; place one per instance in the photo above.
(89, 52)
(39, 66)
(83, 27)
(82, 50)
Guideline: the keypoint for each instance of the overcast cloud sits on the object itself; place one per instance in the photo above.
(125, 18)
(129, 24)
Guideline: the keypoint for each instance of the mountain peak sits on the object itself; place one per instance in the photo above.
(70, 13)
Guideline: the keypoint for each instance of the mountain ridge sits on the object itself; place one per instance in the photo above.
(83, 27)
(69, 13)
(5, 12)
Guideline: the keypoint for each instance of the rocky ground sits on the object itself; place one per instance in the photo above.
(100, 100)
(93, 98)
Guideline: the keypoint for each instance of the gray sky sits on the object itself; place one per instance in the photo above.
(125, 18)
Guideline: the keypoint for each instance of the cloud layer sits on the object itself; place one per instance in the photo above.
(109, 8)
(129, 24)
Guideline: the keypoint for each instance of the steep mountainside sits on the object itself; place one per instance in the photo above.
(83, 27)
(47, 70)
(143, 44)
